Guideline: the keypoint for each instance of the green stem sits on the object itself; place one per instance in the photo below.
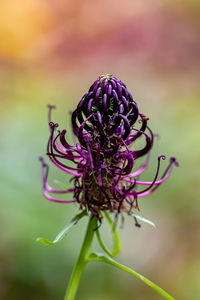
(82, 259)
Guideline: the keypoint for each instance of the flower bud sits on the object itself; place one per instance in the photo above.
(104, 123)
(106, 112)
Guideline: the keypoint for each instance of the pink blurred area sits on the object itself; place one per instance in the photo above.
(86, 35)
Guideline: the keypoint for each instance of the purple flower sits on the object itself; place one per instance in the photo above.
(103, 175)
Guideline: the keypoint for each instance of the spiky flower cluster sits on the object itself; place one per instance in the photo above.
(104, 124)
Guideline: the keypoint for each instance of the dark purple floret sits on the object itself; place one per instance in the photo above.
(105, 124)
(109, 112)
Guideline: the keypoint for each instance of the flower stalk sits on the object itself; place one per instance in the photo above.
(82, 259)
(106, 124)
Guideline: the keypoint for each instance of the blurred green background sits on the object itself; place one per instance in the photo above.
(51, 52)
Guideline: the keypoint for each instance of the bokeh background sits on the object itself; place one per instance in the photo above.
(51, 52)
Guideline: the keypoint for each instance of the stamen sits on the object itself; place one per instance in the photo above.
(142, 169)
(52, 156)
(156, 176)
(166, 174)
(50, 107)
(146, 149)
(80, 131)
(48, 197)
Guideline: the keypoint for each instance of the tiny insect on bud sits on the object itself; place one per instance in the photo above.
(145, 118)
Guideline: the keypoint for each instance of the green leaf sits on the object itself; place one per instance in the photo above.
(63, 232)
(143, 219)
(94, 256)
(116, 241)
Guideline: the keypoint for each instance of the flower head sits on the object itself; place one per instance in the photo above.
(104, 124)
(105, 114)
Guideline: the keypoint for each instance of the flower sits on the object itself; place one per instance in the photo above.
(104, 125)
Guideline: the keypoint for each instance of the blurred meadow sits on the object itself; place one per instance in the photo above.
(50, 53)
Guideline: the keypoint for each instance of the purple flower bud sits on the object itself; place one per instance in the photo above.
(111, 99)
(103, 157)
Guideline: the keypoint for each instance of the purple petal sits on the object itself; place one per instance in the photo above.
(109, 91)
(119, 88)
(104, 84)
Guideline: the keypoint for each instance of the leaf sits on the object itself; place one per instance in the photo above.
(63, 232)
(94, 256)
(143, 219)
